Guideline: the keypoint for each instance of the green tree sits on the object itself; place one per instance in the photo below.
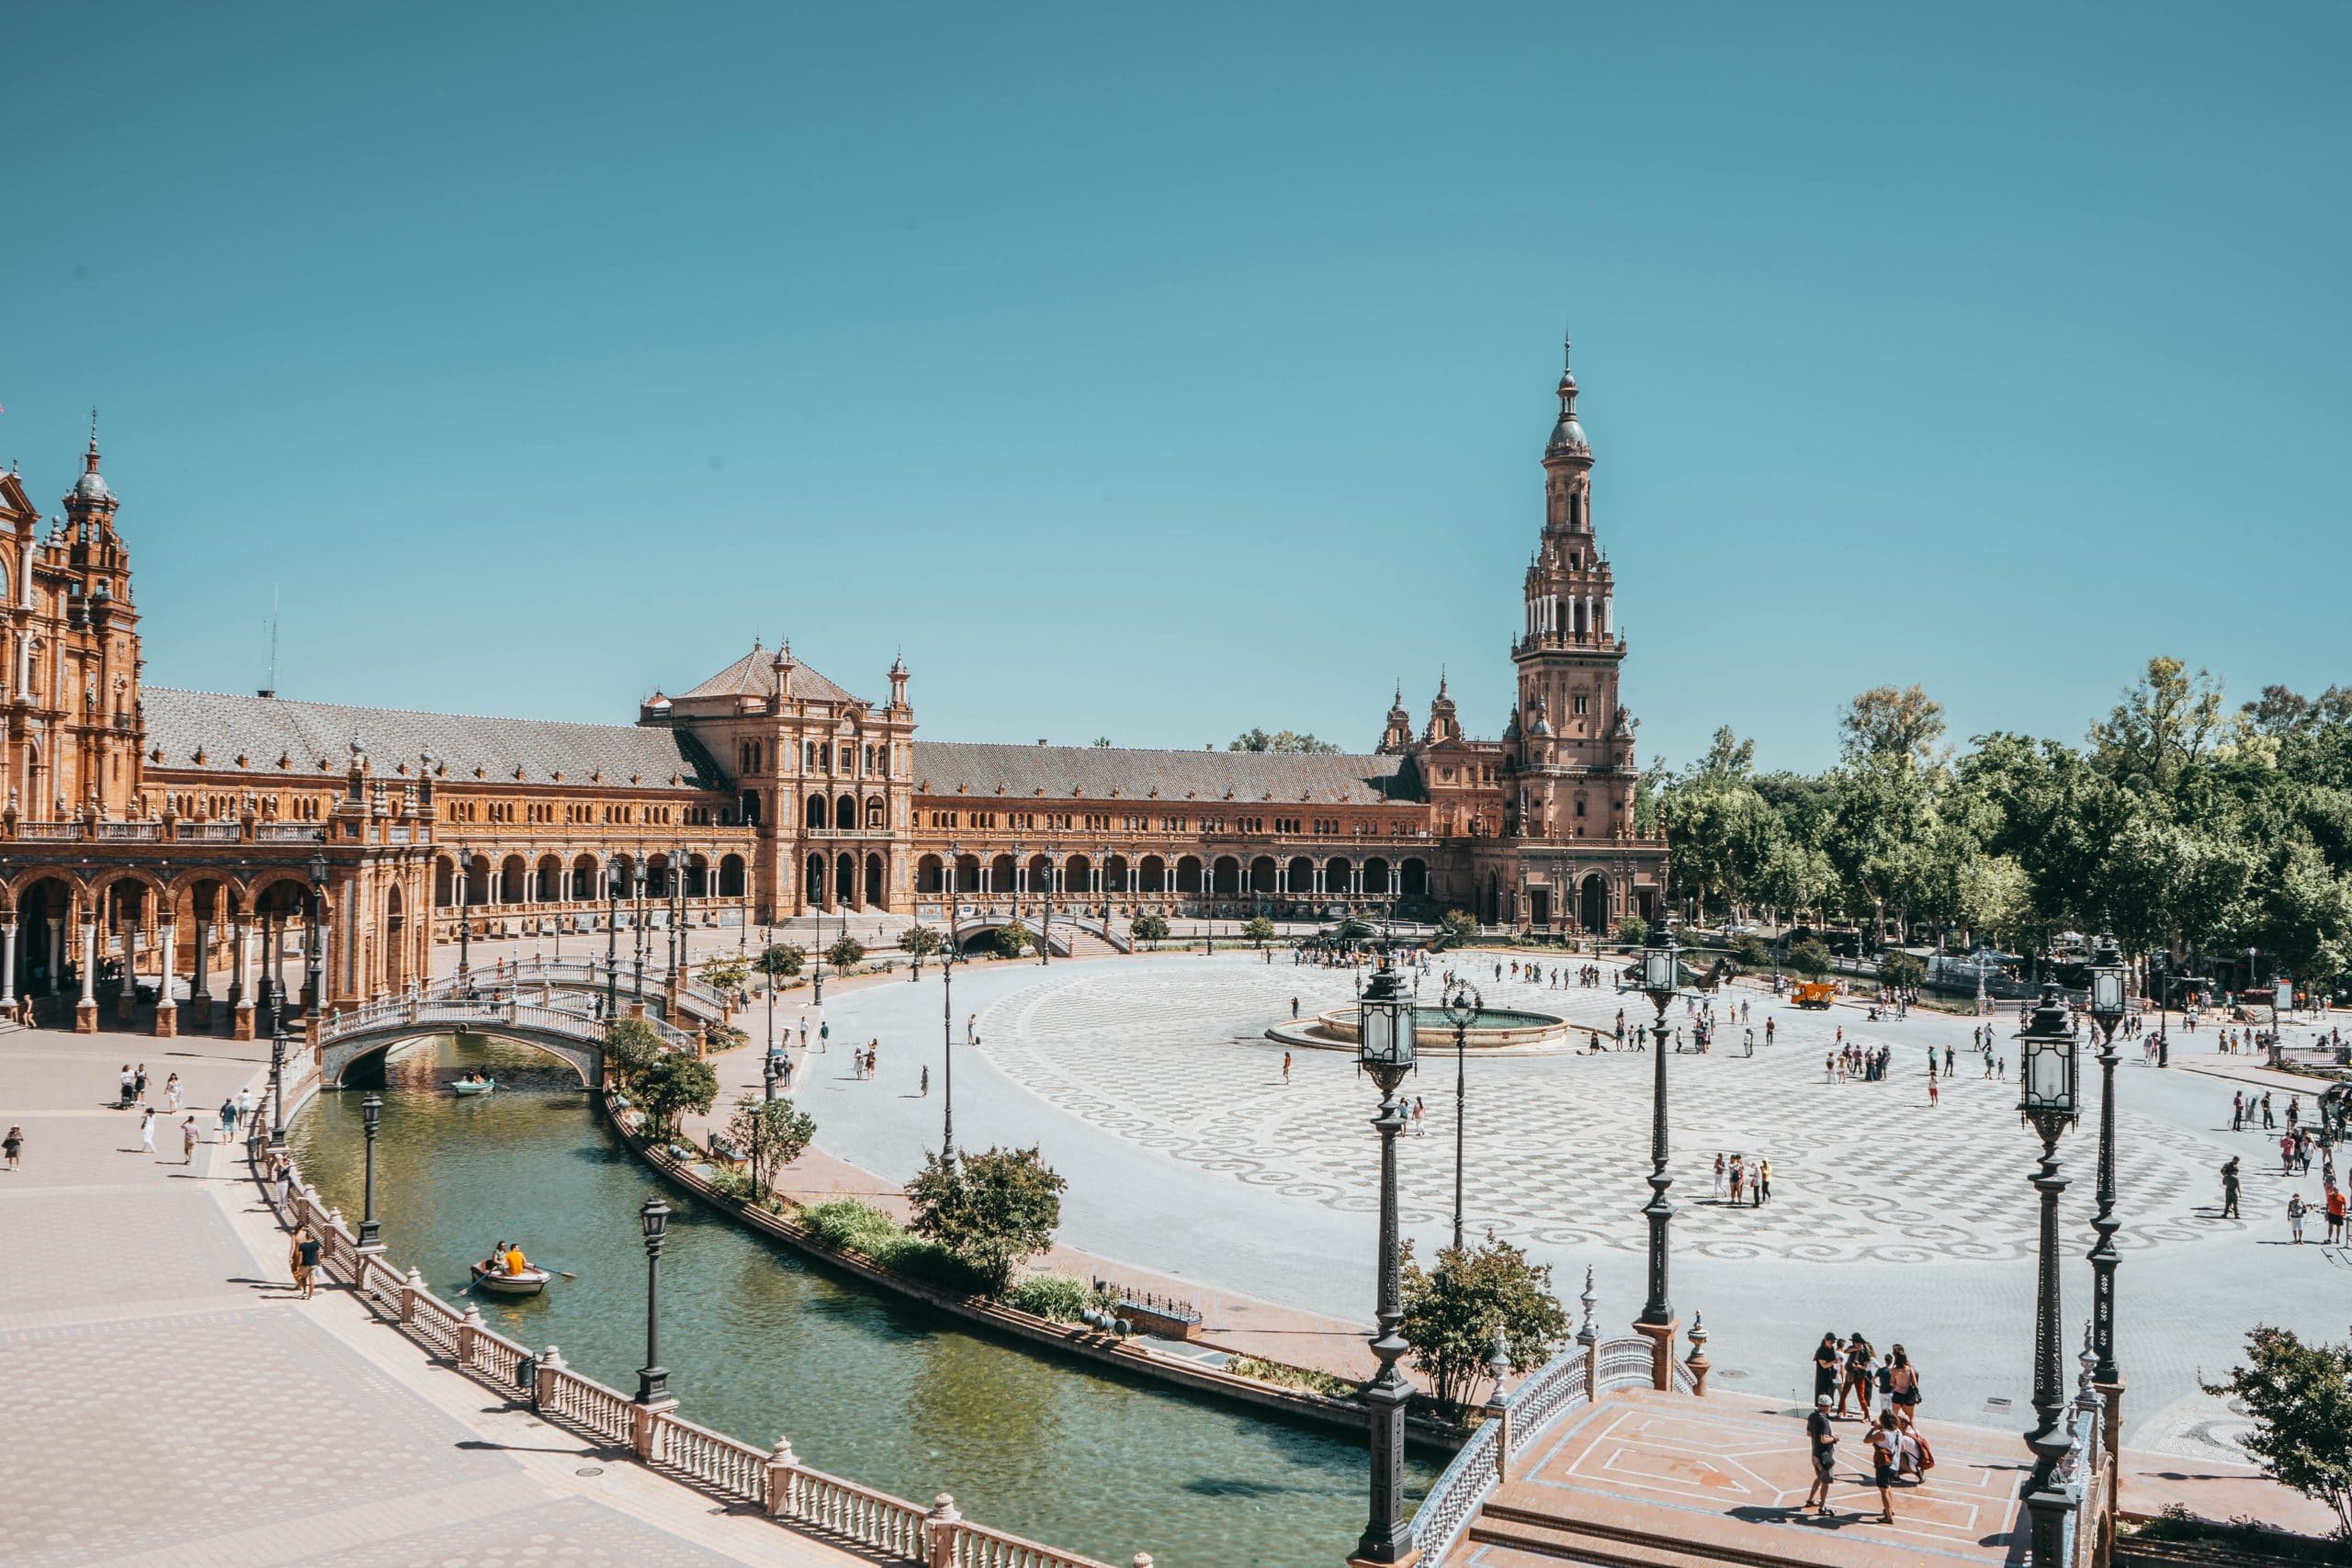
(1891, 724)
(725, 972)
(2301, 1398)
(1901, 970)
(1102, 741)
(1013, 940)
(1797, 876)
(1995, 897)
(1452, 1313)
(920, 939)
(671, 1085)
(844, 954)
(1458, 924)
(1148, 928)
(2165, 723)
(994, 1211)
(779, 962)
(772, 1134)
(1633, 931)
(629, 1044)
(1280, 741)
(1810, 958)
(1258, 929)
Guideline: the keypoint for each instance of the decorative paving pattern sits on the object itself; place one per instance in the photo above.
(570, 1533)
(1174, 1060)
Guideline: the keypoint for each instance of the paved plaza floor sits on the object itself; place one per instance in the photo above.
(171, 1403)
(1149, 1084)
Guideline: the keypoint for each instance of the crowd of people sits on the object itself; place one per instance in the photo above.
(1882, 1393)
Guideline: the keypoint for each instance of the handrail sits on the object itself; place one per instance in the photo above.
(1455, 1497)
(786, 1490)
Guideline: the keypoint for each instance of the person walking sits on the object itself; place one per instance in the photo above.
(190, 1135)
(1902, 1386)
(12, 1147)
(1763, 1179)
(1821, 1438)
(303, 1255)
(127, 1095)
(1286, 1067)
(2295, 1208)
(228, 1118)
(138, 1081)
(1719, 1176)
(1857, 1384)
(172, 1095)
(2333, 1212)
(926, 1083)
(2230, 1187)
(147, 1128)
(2237, 1110)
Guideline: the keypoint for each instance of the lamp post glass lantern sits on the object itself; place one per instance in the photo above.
(371, 1115)
(653, 1378)
(2046, 1100)
(1385, 1049)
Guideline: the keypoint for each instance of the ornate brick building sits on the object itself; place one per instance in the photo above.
(151, 831)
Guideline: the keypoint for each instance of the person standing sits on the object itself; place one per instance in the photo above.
(1826, 1366)
(1902, 1386)
(2230, 1187)
(1719, 1176)
(1858, 1357)
(1763, 1179)
(190, 1134)
(2237, 1110)
(926, 1083)
(303, 1254)
(1739, 1179)
(1286, 1067)
(2333, 1214)
(1822, 1438)
(147, 1128)
(1882, 1462)
(12, 1147)
(2295, 1207)
(138, 1081)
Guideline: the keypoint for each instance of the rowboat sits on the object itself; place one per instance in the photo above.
(529, 1282)
(473, 1086)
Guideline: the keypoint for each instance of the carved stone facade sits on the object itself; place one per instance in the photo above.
(150, 830)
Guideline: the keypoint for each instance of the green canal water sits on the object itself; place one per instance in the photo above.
(761, 1344)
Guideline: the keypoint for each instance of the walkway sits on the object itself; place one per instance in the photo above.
(174, 1404)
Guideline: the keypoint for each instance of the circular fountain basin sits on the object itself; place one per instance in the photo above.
(1491, 1029)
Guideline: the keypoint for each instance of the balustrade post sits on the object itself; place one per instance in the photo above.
(1697, 1360)
(645, 1427)
(469, 1329)
(781, 1464)
(412, 1287)
(941, 1527)
(543, 1376)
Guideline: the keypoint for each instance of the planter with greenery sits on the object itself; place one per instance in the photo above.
(1452, 1313)
(995, 1210)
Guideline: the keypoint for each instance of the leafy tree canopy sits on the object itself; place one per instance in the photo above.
(994, 1211)
(1280, 741)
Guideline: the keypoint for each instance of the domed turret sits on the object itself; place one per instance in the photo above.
(1568, 436)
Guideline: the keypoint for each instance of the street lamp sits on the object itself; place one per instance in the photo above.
(1461, 1011)
(318, 931)
(653, 1378)
(950, 954)
(1385, 1049)
(277, 1089)
(612, 943)
(767, 1071)
(2047, 1083)
(465, 923)
(637, 922)
(1661, 973)
(1045, 928)
(371, 1113)
(2107, 1012)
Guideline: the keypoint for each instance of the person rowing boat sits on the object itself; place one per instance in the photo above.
(508, 1272)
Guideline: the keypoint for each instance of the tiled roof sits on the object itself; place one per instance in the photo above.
(753, 675)
(1100, 773)
(265, 729)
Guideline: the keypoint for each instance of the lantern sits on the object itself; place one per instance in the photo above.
(2107, 982)
(1661, 962)
(2046, 1061)
(1384, 1032)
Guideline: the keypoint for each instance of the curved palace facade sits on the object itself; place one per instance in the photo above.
(151, 831)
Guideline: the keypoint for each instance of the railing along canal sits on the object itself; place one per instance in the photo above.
(774, 1481)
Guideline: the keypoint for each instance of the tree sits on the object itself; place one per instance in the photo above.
(670, 1084)
(845, 952)
(994, 1211)
(2165, 725)
(629, 1044)
(1458, 924)
(1011, 941)
(779, 962)
(1452, 1311)
(1891, 724)
(920, 939)
(2301, 1398)
(1901, 970)
(1258, 929)
(725, 973)
(1102, 741)
(1148, 928)
(1809, 958)
(1995, 897)
(1633, 931)
(1280, 741)
(772, 1134)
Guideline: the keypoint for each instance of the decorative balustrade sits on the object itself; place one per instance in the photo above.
(1455, 1497)
(890, 1527)
(424, 1012)
(1627, 1363)
(1557, 1384)
(210, 832)
(287, 833)
(49, 830)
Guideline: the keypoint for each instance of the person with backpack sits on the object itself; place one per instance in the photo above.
(1822, 1440)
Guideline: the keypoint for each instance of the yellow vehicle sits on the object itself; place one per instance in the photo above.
(1815, 995)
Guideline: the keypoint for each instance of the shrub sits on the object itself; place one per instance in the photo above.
(779, 962)
(1150, 928)
(1258, 929)
(1057, 1296)
(1458, 924)
(1012, 942)
(717, 1037)
(844, 953)
(1633, 931)
(1810, 958)
(1452, 1311)
(772, 1134)
(671, 1083)
(2300, 1396)
(920, 939)
(1753, 952)
(1901, 969)
(847, 1226)
(994, 1211)
(1311, 1379)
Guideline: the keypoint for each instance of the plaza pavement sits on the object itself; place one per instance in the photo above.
(171, 1404)
(1148, 1084)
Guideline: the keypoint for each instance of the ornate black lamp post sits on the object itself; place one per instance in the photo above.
(612, 945)
(371, 1113)
(2048, 1070)
(1661, 973)
(1461, 1009)
(950, 954)
(465, 921)
(1046, 927)
(653, 1378)
(318, 932)
(1385, 1049)
(2106, 1011)
(637, 920)
(767, 1073)
(277, 1089)
(818, 975)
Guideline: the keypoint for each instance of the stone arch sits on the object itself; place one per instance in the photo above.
(815, 815)
(1338, 873)
(813, 880)
(875, 895)
(1414, 878)
(513, 875)
(876, 812)
(1301, 877)
(1375, 877)
(1224, 877)
(445, 882)
(1001, 875)
(1114, 874)
(697, 876)
(340, 1055)
(845, 878)
(1188, 873)
(967, 874)
(396, 973)
(845, 812)
(1592, 902)
(730, 877)
(929, 874)
(1261, 876)
(1040, 875)
(42, 903)
(584, 879)
(477, 881)
(547, 885)
(1151, 872)
(1078, 875)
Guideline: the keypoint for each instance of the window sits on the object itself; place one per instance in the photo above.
(1581, 700)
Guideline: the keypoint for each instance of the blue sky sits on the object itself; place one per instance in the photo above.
(1157, 374)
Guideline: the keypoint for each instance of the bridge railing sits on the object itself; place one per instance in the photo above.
(775, 1480)
(503, 1007)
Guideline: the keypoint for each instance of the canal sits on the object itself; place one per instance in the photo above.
(761, 1344)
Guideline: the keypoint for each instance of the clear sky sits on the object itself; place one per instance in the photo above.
(1157, 374)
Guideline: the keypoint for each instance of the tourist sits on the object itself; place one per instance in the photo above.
(2333, 1213)
(1419, 1114)
(138, 1082)
(1934, 1093)
(302, 1253)
(926, 1083)
(1829, 1067)
(1860, 1355)
(12, 1147)
(1763, 1179)
(1826, 1365)
(1739, 1179)
(2295, 1217)
(1719, 1176)
(1902, 1385)
(284, 1177)
(172, 1095)
(1286, 1067)
(2230, 1187)
(128, 1095)
(1823, 1439)
(190, 1135)
(1882, 1463)
(228, 1118)
(147, 1128)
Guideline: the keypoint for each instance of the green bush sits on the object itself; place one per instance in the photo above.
(844, 954)
(1012, 942)
(1752, 952)
(1150, 928)
(1460, 924)
(847, 1226)
(1810, 958)
(1633, 931)
(1259, 929)
(1279, 1372)
(1057, 1296)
